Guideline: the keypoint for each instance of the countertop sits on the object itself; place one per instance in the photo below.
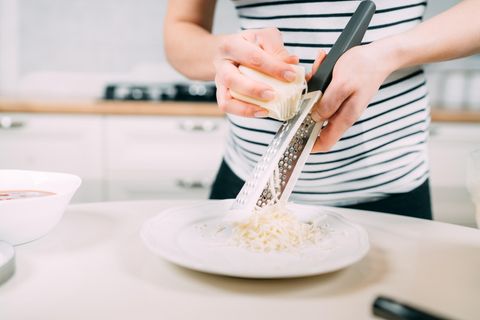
(93, 265)
(171, 109)
(112, 108)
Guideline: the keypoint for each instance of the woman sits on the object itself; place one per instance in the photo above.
(372, 155)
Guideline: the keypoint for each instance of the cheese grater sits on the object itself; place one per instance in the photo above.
(277, 171)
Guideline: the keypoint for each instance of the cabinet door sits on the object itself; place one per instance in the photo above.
(46, 142)
(163, 157)
(449, 149)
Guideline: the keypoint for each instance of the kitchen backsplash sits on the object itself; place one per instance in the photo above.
(73, 48)
(57, 48)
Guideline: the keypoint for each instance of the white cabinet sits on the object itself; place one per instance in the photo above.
(449, 148)
(60, 143)
(162, 157)
(118, 157)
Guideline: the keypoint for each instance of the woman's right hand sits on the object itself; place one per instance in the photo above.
(260, 49)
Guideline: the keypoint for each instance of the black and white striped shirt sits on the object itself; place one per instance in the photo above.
(384, 152)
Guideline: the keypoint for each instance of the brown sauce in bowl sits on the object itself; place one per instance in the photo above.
(23, 194)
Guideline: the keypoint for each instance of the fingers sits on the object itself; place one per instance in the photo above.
(320, 57)
(271, 41)
(229, 105)
(339, 123)
(230, 77)
(337, 105)
(357, 75)
(292, 59)
(336, 94)
(243, 52)
(262, 50)
(342, 104)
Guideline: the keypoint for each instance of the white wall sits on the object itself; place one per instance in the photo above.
(54, 46)
(100, 36)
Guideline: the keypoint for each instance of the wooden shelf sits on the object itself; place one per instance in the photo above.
(112, 108)
(171, 109)
(442, 115)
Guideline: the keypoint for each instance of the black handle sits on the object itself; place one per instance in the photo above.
(390, 309)
(351, 36)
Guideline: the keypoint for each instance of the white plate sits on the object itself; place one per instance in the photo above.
(189, 236)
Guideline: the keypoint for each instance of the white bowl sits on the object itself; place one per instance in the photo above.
(24, 220)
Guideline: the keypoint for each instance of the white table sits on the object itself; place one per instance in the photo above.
(93, 265)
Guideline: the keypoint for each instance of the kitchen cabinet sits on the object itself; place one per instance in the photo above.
(48, 142)
(449, 149)
(162, 157)
(118, 157)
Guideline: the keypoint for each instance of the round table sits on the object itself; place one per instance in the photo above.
(93, 265)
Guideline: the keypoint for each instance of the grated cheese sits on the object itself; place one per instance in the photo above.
(273, 228)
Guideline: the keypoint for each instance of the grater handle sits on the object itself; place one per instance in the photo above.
(351, 36)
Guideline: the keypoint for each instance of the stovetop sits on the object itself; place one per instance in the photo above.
(188, 91)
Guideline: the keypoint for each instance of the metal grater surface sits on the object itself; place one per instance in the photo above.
(284, 157)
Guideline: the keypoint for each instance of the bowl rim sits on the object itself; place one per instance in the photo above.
(77, 181)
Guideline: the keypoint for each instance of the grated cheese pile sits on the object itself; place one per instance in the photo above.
(274, 228)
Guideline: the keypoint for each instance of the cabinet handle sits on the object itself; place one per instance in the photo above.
(192, 184)
(204, 126)
(8, 123)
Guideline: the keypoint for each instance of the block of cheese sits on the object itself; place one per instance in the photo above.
(287, 94)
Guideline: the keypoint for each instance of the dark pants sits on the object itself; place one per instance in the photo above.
(415, 203)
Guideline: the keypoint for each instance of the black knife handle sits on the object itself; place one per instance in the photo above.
(351, 36)
(387, 308)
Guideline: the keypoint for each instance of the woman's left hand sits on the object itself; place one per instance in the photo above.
(357, 76)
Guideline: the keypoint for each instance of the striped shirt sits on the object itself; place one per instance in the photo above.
(384, 152)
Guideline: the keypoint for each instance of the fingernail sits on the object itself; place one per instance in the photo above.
(268, 95)
(293, 57)
(261, 114)
(289, 75)
(316, 117)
